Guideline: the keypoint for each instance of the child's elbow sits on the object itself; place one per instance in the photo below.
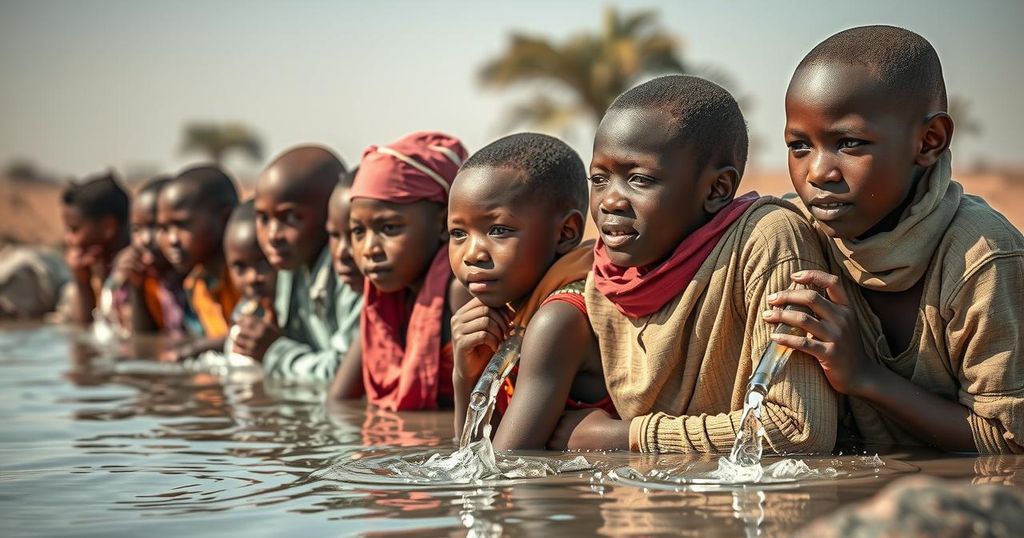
(811, 439)
(797, 434)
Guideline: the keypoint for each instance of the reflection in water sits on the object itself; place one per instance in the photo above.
(786, 472)
(107, 449)
(475, 464)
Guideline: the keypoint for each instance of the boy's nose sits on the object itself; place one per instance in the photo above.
(614, 202)
(274, 230)
(345, 252)
(477, 253)
(372, 247)
(823, 169)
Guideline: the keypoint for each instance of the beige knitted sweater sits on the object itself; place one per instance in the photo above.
(968, 343)
(680, 373)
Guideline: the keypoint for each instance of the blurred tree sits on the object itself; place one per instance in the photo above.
(216, 140)
(967, 126)
(593, 68)
(965, 121)
(21, 170)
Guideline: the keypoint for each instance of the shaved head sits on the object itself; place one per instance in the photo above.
(302, 173)
(203, 186)
(903, 64)
(292, 195)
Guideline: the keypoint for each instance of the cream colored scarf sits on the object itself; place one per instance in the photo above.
(896, 260)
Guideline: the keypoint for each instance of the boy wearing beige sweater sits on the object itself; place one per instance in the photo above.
(681, 274)
(921, 321)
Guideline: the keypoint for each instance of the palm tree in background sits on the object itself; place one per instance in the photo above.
(967, 126)
(593, 69)
(216, 140)
(966, 122)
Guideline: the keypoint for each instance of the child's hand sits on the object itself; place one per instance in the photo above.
(590, 429)
(833, 334)
(81, 262)
(177, 352)
(477, 331)
(256, 334)
(129, 267)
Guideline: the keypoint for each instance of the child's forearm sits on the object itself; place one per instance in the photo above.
(348, 382)
(84, 304)
(142, 322)
(939, 422)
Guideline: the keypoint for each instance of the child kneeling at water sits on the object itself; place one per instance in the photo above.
(397, 221)
(682, 270)
(921, 321)
(515, 220)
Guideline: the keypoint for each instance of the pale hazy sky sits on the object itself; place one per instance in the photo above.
(86, 84)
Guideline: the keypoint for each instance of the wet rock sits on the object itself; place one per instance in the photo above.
(925, 506)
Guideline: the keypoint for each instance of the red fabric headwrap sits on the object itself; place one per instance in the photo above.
(418, 166)
(638, 291)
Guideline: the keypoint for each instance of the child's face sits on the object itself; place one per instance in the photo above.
(852, 149)
(144, 230)
(81, 232)
(249, 268)
(188, 235)
(290, 225)
(501, 240)
(338, 211)
(394, 244)
(646, 193)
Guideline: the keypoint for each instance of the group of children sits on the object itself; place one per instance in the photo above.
(400, 280)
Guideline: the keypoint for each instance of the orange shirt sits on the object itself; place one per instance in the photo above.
(213, 300)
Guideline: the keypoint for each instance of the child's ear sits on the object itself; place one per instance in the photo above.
(570, 233)
(723, 189)
(936, 136)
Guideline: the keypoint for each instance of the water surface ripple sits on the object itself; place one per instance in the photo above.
(95, 446)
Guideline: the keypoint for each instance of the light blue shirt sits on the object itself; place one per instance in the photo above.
(319, 318)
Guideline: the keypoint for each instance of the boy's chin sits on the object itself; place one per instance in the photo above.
(624, 259)
(282, 263)
(183, 268)
(493, 301)
(386, 286)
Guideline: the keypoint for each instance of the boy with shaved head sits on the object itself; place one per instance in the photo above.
(682, 271)
(192, 213)
(317, 315)
(920, 321)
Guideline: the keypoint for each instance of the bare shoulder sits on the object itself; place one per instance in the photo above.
(557, 325)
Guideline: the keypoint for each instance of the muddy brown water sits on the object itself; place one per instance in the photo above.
(89, 447)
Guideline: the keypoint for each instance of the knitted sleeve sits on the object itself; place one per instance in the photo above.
(985, 338)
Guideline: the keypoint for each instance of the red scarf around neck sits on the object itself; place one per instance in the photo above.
(402, 371)
(639, 291)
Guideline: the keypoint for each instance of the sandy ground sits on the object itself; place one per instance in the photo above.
(30, 212)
